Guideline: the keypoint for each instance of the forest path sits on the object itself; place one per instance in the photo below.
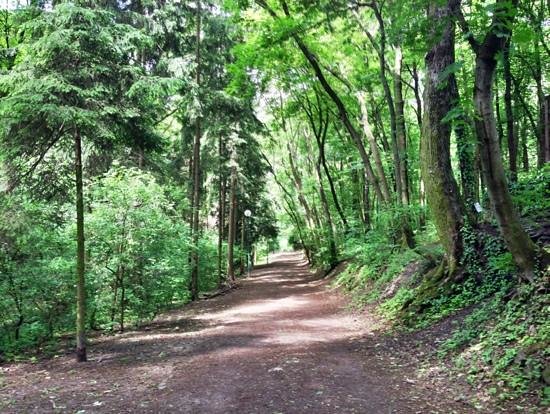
(280, 343)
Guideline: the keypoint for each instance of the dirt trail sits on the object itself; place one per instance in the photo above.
(281, 343)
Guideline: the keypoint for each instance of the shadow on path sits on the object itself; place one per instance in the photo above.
(281, 343)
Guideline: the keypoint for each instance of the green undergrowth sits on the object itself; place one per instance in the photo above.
(500, 335)
(503, 342)
(506, 340)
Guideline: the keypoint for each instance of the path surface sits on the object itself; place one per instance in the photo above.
(281, 343)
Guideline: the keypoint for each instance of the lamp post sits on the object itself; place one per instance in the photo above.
(248, 215)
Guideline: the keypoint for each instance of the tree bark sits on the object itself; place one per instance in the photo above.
(441, 187)
(81, 259)
(400, 128)
(546, 129)
(375, 152)
(320, 129)
(296, 178)
(221, 220)
(510, 134)
(232, 225)
(320, 134)
(194, 285)
(518, 242)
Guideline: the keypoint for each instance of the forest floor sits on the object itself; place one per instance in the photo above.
(282, 342)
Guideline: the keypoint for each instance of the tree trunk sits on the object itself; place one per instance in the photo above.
(122, 298)
(366, 204)
(326, 209)
(381, 52)
(500, 129)
(296, 178)
(81, 259)
(510, 134)
(441, 187)
(400, 131)
(232, 225)
(375, 152)
(221, 224)
(194, 286)
(320, 136)
(537, 75)
(520, 245)
(524, 151)
(342, 112)
(546, 129)
(417, 97)
(332, 188)
(242, 257)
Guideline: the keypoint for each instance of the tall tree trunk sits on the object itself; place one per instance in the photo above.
(518, 242)
(232, 226)
(500, 129)
(333, 192)
(122, 298)
(537, 75)
(546, 129)
(320, 134)
(80, 254)
(510, 135)
(400, 131)
(366, 204)
(467, 156)
(524, 151)
(442, 189)
(194, 286)
(320, 129)
(375, 152)
(221, 223)
(242, 257)
(333, 259)
(417, 96)
(381, 52)
(296, 178)
(466, 162)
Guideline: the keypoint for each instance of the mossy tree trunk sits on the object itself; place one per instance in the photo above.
(523, 249)
(441, 187)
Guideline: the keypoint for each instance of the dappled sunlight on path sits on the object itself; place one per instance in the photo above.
(282, 342)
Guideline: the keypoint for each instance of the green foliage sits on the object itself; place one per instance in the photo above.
(511, 350)
(137, 243)
(137, 249)
(36, 273)
(375, 264)
(532, 194)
